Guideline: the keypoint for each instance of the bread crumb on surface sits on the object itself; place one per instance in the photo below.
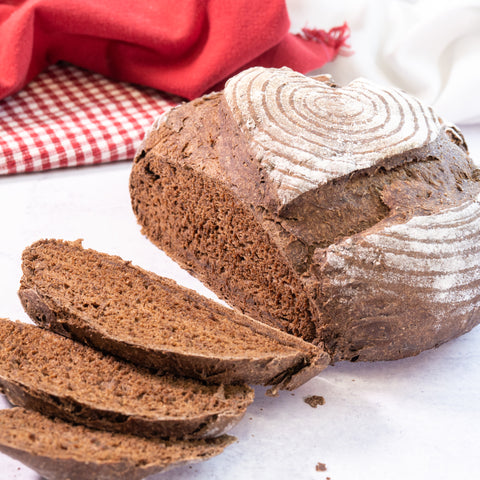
(320, 467)
(314, 400)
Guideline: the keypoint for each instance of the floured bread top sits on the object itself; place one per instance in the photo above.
(305, 132)
(437, 254)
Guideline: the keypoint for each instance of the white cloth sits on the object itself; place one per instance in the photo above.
(430, 48)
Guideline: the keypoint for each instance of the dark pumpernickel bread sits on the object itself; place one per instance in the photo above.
(151, 321)
(58, 450)
(348, 216)
(54, 375)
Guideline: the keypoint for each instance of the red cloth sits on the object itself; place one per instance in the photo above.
(184, 47)
(69, 117)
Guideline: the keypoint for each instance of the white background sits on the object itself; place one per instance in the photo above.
(417, 418)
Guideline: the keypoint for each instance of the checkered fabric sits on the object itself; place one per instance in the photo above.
(69, 117)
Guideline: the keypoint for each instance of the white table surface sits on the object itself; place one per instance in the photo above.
(415, 419)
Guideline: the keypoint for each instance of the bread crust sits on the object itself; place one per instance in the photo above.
(52, 468)
(333, 238)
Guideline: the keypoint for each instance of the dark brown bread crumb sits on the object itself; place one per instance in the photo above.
(314, 400)
(321, 467)
(152, 321)
(55, 375)
(58, 450)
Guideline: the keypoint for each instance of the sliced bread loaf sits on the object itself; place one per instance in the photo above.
(43, 371)
(58, 450)
(151, 321)
(344, 215)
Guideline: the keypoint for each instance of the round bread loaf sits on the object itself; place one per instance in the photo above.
(348, 216)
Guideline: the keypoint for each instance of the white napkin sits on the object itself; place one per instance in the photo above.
(430, 48)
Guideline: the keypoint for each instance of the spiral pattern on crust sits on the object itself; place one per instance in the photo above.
(437, 256)
(305, 132)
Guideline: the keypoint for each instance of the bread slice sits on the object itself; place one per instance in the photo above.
(58, 450)
(54, 375)
(151, 321)
(344, 215)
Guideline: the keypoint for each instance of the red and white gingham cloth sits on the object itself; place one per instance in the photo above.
(69, 117)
